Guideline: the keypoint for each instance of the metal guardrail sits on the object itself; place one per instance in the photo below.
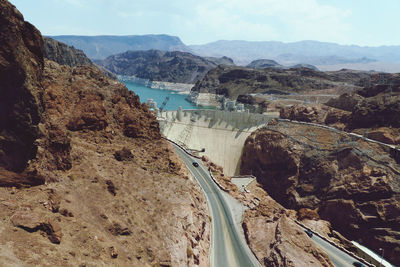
(336, 245)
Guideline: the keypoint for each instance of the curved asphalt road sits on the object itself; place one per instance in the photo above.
(228, 247)
(338, 257)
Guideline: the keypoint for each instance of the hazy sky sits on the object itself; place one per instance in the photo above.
(361, 22)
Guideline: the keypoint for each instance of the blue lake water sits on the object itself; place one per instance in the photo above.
(175, 99)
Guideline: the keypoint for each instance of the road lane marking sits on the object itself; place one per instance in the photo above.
(219, 199)
(224, 224)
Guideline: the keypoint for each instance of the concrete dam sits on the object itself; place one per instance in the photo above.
(221, 133)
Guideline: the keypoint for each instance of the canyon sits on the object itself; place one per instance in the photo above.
(87, 177)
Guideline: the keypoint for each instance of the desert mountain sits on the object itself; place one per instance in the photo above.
(85, 178)
(327, 56)
(155, 65)
(264, 63)
(268, 63)
(100, 47)
(310, 52)
(232, 81)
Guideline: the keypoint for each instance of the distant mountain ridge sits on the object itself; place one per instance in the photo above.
(268, 63)
(100, 47)
(310, 52)
(319, 54)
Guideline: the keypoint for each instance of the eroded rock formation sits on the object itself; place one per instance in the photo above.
(64, 54)
(353, 184)
(21, 67)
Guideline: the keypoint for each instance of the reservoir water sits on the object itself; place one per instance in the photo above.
(175, 99)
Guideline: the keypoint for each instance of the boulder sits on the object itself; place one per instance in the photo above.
(123, 155)
(304, 113)
(32, 221)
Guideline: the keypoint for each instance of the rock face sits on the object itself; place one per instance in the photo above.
(344, 101)
(64, 54)
(21, 67)
(303, 113)
(155, 65)
(377, 111)
(353, 184)
(320, 114)
(276, 239)
(69, 56)
(63, 188)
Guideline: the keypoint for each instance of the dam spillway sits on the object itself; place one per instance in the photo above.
(221, 133)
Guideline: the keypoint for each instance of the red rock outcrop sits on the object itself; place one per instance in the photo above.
(303, 113)
(354, 185)
(372, 106)
(377, 111)
(21, 66)
(320, 114)
(275, 238)
(345, 101)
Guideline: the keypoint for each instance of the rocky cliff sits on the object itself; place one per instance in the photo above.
(352, 183)
(375, 105)
(70, 56)
(21, 63)
(155, 65)
(64, 54)
(85, 178)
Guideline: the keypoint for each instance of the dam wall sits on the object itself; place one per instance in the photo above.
(221, 133)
